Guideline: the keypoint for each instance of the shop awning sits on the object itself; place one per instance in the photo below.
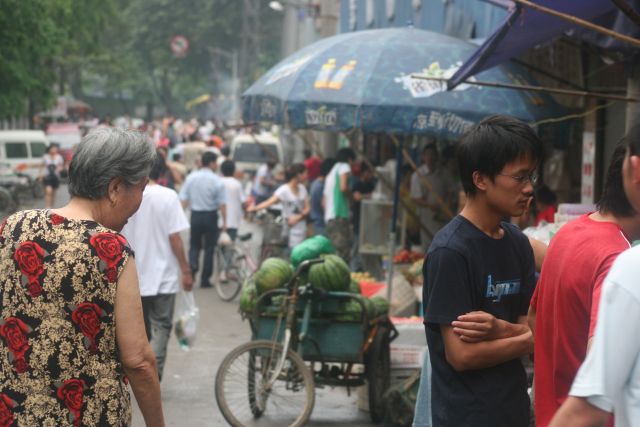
(525, 28)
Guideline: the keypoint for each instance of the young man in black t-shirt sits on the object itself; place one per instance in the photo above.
(479, 276)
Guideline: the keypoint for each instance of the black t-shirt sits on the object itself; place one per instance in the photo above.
(363, 187)
(466, 270)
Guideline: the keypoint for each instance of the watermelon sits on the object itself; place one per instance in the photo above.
(332, 275)
(311, 248)
(380, 306)
(354, 287)
(248, 296)
(273, 273)
(351, 311)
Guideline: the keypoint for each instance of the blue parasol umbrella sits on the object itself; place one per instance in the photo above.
(362, 80)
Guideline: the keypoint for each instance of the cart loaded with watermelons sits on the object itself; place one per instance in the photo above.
(338, 337)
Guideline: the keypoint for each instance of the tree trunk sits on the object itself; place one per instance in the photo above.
(166, 92)
(62, 79)
(76, 82)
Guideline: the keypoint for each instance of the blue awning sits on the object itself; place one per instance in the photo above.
(525, 28)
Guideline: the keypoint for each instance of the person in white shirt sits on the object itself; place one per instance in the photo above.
(609, 379)
(295, 203)
(49, 174)
(236, 199)
(154, 234)
(335, 199)
(427, 184)
(264, 182)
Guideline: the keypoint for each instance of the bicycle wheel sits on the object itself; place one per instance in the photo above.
(243, 394)
(233, 266)
(377, 368)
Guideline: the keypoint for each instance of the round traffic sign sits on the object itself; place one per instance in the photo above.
(179, 46)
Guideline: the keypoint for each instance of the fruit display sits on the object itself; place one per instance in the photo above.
(406, 257)
(362, 277)
(272, 274)
(331, 275)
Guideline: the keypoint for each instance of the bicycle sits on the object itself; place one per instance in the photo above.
(273, 242)
(268, 377)
(235, 262)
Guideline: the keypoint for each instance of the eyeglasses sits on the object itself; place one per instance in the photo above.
(523, 179)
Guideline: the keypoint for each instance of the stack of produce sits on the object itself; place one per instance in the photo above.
(311, 248)
(274, 273)
(413, 274)
(363, 277)
(406, 257)
(332, 275)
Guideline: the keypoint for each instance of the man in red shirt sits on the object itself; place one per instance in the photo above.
(312, 164)
(564, 306)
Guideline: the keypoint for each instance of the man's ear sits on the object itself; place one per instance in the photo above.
(480, 180)
(635, 169)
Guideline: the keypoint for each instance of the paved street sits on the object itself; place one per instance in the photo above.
(188, 384)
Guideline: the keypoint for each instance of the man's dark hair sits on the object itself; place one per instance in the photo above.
(225, 150)
(208, 158)
(228, 167)
(158, 168)
(293, 171)
(307, 153)
(613, 200)
(364, 167)
(326, 166)
(345, 154)
(488, 146)
(176, 157)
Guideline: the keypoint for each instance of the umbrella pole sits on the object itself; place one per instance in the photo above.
(394, 220)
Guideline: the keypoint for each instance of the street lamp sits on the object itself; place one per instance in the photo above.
(276, 5)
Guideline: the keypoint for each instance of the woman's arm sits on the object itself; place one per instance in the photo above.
(270, 201)
(137, 358)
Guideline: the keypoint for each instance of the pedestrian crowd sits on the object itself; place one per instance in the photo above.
(79, 321)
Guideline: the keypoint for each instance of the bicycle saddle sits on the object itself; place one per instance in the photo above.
(244, 237)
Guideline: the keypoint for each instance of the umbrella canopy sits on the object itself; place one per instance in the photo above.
(363, 80)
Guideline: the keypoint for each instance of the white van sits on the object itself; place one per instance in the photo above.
(250, 151)
(23, 148)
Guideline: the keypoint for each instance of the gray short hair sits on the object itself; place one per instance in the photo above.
(106, 153)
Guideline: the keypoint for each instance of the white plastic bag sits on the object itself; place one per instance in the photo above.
(187, 322)
(224, 239)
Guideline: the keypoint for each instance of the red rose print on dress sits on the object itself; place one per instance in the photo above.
(56, 219)
(87, 316)
(109, 247)
(29, 256)
(14, 332)
(6, 405)
(71, 392)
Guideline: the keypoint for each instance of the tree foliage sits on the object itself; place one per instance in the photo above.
(121, 46)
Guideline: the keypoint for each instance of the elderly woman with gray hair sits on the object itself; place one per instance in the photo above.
(71, 330)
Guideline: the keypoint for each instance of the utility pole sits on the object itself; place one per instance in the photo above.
(327, 27)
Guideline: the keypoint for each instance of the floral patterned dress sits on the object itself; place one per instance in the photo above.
(59, 364)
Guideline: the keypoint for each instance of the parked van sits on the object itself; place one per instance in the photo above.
(251, 151)
(23, 148)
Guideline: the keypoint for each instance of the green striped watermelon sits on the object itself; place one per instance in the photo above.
(273, 273)
(332, 275)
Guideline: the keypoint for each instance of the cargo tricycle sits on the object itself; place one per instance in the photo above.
(302, 339)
